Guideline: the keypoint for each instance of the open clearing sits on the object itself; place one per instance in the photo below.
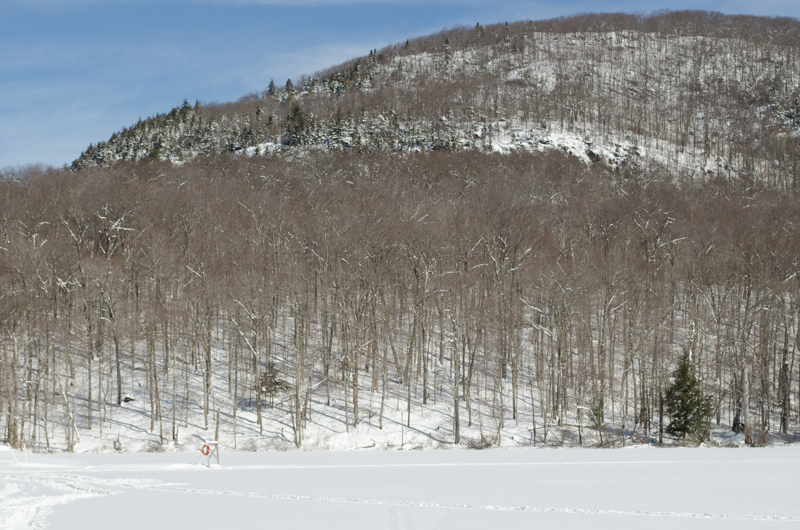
(627, 488)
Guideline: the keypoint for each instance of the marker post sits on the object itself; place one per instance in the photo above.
(210, 449)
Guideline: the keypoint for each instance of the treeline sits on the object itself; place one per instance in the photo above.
(471, 277)
(704, 92)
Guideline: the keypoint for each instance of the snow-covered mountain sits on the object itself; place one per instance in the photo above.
(699, 92)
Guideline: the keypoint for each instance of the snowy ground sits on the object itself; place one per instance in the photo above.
(522, 488)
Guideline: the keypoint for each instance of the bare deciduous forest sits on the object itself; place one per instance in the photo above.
(412, 265)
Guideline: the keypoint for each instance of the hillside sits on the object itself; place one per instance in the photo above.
(696, 92)
(502, 235)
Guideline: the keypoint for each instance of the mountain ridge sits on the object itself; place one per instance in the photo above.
(701, 92)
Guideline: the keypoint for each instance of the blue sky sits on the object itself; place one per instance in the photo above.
(72, 72)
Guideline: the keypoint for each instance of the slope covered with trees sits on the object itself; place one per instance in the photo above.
(698, 92)
(371, 245)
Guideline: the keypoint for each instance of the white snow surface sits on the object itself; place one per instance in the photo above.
(513, 488)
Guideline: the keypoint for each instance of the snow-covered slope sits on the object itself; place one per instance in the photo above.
(700, 101)
(389, 417)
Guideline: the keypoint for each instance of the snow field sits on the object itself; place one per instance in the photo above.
(695, 488)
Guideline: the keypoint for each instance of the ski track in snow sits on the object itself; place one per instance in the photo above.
(483, 464)
(24, 506)
(413, 504)
(27, 500)
(203, 467)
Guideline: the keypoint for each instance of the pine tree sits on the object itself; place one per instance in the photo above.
(690, 409)
(270, 384)
(295, 126)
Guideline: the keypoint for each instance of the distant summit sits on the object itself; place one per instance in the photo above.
(702, 92)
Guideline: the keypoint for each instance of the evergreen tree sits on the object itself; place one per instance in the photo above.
(270, 384)
(690, 409)
(295, 126)
(271, 88)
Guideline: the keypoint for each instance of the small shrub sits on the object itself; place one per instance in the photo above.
(269, 384)
(279, 444)
(484, 442)
(153, 447)
(249, 445)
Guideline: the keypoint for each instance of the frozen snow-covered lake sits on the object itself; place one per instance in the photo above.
(624, 488)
